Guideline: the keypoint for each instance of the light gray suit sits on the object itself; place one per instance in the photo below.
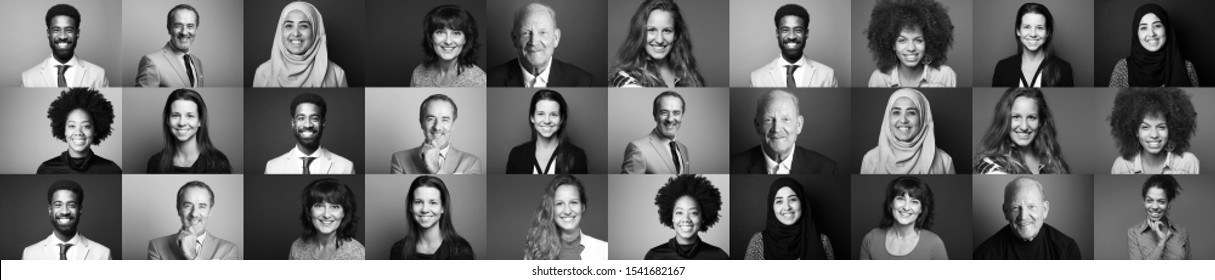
(164, 68)
(649, 155)
(326, 162)
(213, 248)
(457, 162)
(86, 249)
(88, 75)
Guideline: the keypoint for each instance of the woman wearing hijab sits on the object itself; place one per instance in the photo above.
(907, 142)
(789, 233)
(1155, 59)
(299, 56)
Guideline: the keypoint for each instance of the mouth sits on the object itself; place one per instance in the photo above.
(659, 48)
(908, 213)
(567, 219)
(1152, 41)
(914, 57)
(1154, 144)
(787, 214)
(685, 227)
(78, 140)
(903, 128)
(1023, 135)
(64, 220)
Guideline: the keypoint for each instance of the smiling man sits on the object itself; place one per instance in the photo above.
(436, 155)
(308, 157)
(658, 152)
(792, 68)
(66, 205)
(1027, 236)
(64, 68)
(778, 121)
(535, 36)
(173, 65)
(192, 241)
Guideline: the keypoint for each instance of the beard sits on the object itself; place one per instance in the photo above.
(309, 142)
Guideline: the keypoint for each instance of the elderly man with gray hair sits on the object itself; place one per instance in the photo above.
(1027, 236)
(535, 36)
(778, 121)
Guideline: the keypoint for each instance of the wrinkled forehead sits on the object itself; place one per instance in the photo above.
(1024, 190)
(777, 103)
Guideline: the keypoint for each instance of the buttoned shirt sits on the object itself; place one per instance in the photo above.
(72, 73)
(1185, 163)
(931, 77)
(1144, 244)
(53, 250)
(781, 167)
(536, 81)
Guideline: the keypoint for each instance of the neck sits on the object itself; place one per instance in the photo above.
(326, 240)
(1032, 56)
(547, 143)
(775, 155)
(432, 235)
(570, 235)
(65, 236)
(686, 241)
(308, 150)
(904, 231)
(448, 66)
(791, 57)
(63, 59)
(910, 73)
(188, 148)
(80, 154)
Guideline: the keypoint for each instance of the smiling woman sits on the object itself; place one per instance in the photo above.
(299, 56)
(556, 231)
(688, 204)
(188, 147)
(903, 232)
(1035, 64)
(449, 40)
(909, 40)
(1021, 138)
(1153, 127)
(80, 117)
(907, 142)
(657, 51)
(330, 219)
(1155, 58)
(431, 235)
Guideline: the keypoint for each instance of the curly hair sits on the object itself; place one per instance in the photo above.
(632, 56)
(890, 17)
(1131, 105)
(916, 189)
(455, 18)
(697, 187)
(999, 147)
(1165, 183)
(543, 238)
(332, 191)
(92, 102)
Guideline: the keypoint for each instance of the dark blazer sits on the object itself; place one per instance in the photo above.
(561, 74)
(1056, 72)
(570, 159)
(805, 161)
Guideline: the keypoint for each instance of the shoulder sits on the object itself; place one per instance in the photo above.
(474, 71)
(338, 158)
(570, 69)
(406, 154)
(336, 69)
(1059, 236)
(1122, 166)
(1007, 63)
(931, 238)
(944, 157)
(1120, 66)
(757, 240)
(522, 149)
(1185, 163)
(621, 78)
(820, 68)
(96, 246)
(162, 241)
(946, 71)
(813, 155)
(504, 68)
(263, 70)
(90, 65)
(875, 233)
(988, 166)
(591, 241)
(353, 245)
(871, 155)
(419, 71)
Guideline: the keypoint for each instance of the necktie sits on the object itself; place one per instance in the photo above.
(307, 162)
(63, 248)
(789, 82)
(189, 69)
(675, 157)
(62, 70)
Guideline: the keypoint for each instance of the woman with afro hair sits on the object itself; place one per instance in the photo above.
(689, 204)
(1152, 128)
(909, 39)
(80, 117)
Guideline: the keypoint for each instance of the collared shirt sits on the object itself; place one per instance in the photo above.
(782, 167)
(180, 57)
(198, 243)
(666, 144)
(931, 77)
(1185, 163)
(52, 248)
(817, 76)
(443, 156)
(295, 158)
(1143, 243)
(71, 75)
(536, 81)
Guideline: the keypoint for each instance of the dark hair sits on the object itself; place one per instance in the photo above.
(63, 10)
(632, 55)
(206, 149)
(455, 18)
(918, 190)
(890, 17)
(697, 187)
(67, 185)
(543, 240)
(1166, 183)
(998, 147)
(683, 105)
(1035, 8)
(455, 111)
(169, 18)
(194, 184)
(791, 10)
(100, 111)
(446, 229)
(551, 95)
(1131, 105)
(308, 97)
(331, 191)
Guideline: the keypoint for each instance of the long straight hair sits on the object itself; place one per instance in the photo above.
(446, 230)
(205, 148)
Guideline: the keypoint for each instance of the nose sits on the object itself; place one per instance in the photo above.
(1023, 214)
(1154, 133)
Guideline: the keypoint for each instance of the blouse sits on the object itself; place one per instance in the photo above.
(1185, 163)
(349, 250)
(1120, 77)
(930, 247)
(755, 248)
(932, 77)
(471, 76)
(1142, 243)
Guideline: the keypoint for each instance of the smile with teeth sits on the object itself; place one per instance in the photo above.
(1154, 143)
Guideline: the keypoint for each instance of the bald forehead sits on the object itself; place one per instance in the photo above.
(776, 99)
(1024, 187)
(535, 10)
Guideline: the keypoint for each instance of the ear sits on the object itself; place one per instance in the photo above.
(800, 121)
(556, 37)
(1045, 209)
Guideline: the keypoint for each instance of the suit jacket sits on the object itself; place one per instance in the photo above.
(163, 68)
(649, 155)
(326, 162)
(560, 74)
(457, 162)
(85, 250)
(213, 248)
(805, 161)
(90, 75)
(773, 75)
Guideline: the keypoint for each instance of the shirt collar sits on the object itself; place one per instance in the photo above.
(1137, 167)
(928, 72)
(543, 76)
(296, 153)
(54, 241)
(51, 62)
(786, 164)
(1144, 227)
(802, 63)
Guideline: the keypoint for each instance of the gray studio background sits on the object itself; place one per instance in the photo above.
(709, 25)
(1107, 150)
(23, 197)
(826, 116)
(516, 198)
(635, 222)
(149, 210)
(269, 134)
(960, 57)
(27, 130)
(344, 30)
(145, 121)
(273, 208)
(827, 196)
(703, 130)
(218, 41)
(753, 42)
(585, 126)
(26, 44)
(1072, 108)
(387, 217)
(1072, 39)
(950, 194)
(1119, 204)
(582, 24)
(1071, 207)
(1192, 21)
(951, 115)
(403, 20)
(392, 123)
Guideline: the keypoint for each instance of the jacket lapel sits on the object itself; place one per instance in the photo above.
(758, 164)
(208, 248)
(178, 66)
(83, 253)
(656, 144)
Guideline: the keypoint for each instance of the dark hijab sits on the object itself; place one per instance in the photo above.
(797, 241)
(1153, 69)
